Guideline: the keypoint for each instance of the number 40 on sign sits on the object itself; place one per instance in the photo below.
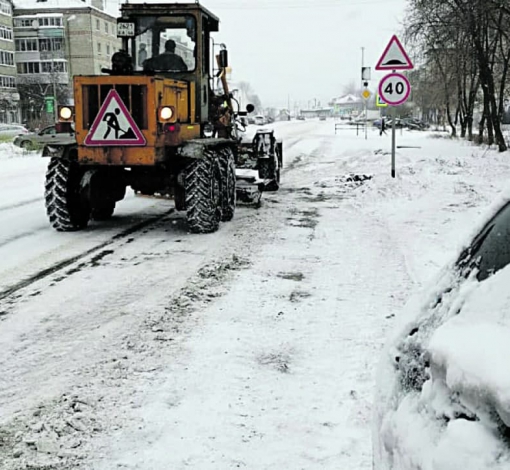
(394, 89)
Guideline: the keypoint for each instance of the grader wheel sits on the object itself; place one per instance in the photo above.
(228, 184)
(203, 194)
(64, 206)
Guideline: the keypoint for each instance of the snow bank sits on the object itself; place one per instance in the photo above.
(8, 150)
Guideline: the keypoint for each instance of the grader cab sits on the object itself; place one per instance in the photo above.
(156, 123)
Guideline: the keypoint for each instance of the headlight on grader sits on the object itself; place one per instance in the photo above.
(166, 113)
(66, 113)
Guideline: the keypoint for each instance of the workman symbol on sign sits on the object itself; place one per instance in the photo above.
(113, 123)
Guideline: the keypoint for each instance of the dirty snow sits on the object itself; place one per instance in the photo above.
(254, 347)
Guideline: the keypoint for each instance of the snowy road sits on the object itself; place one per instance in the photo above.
(136, 345)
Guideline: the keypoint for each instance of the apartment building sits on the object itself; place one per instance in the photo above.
(56, 40)
(9, 96)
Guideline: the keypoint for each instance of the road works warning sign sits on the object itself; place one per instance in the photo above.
(394, 57)
(114, 125)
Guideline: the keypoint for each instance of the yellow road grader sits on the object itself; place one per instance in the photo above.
(156, 122)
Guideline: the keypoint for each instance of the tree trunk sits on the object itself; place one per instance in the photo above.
(449, 117)
(481, 128)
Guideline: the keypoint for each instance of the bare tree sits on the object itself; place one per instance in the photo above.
(34, 88)
(469, 44)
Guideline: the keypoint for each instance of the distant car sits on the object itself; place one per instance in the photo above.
(443, 398)
(300, 118)
(414, 124)
(35, 140)
(322, 118)
(12, 130)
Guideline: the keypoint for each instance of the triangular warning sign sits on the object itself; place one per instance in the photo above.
(394, 57)
(114, 125)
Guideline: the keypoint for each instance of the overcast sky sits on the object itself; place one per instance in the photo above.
(303, 50)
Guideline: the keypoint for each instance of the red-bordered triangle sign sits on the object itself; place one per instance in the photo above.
(394, 57)
(114, 125)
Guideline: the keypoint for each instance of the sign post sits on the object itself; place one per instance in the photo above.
(394, 88)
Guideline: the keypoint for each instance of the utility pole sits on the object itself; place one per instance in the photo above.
(55, 78)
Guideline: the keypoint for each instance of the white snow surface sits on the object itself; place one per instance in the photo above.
(257, 346)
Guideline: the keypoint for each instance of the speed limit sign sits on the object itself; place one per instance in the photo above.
(394, 89)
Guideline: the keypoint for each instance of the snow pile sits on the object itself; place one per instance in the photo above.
(8, 150)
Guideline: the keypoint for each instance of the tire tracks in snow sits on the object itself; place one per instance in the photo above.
(21, 204)
(68, 262)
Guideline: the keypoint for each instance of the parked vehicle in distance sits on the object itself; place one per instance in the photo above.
(414, 124)
(442, 393)
(34, 140)
(12, 130)
(300, 118)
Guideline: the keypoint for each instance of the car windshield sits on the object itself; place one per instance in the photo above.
(490, 250)
(165, 43)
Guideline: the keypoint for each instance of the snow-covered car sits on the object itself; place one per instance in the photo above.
(443, 399)
(35, 140)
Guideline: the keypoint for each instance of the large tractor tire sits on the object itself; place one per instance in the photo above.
(203, 194)
(65, 208)
(228, 184)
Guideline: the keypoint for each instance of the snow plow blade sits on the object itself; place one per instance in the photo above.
(258, 166)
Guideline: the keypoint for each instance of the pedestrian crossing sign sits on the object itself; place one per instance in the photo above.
(379, 102)
(114, 125)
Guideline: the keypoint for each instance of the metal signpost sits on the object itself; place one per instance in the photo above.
(394, 88)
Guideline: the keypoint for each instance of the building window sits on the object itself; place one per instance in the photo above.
(106, 27)
(23, 45)
(24, 22)
(41, 67)
(45, 22)
(97, 25)
(7, 82)
(53, 44)
(6, 58)
(5, 7)
(108, 49)
(50, 22)
(99, 47)
(28, 67)
(6, 33)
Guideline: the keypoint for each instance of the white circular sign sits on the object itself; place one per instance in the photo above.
(394, 89)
